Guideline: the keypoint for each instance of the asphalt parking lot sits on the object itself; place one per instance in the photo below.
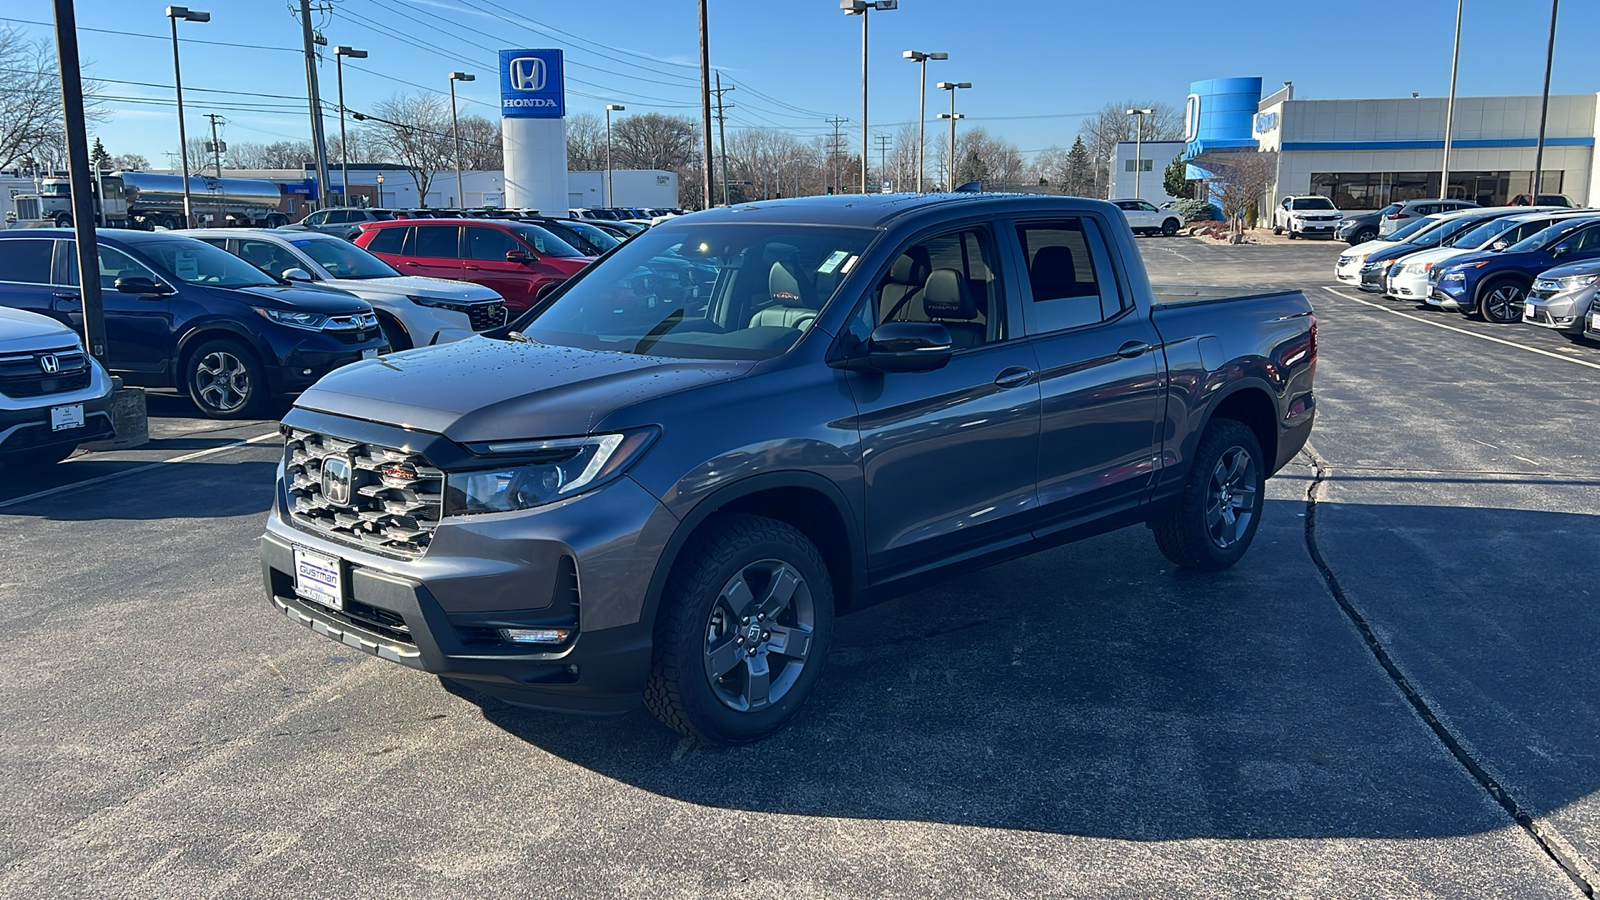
(1393, 695)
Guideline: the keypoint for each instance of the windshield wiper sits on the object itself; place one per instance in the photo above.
(519, 337)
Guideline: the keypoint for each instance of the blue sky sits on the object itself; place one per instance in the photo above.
(1036, 65)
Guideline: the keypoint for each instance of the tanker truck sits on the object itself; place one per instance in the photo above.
(147, 199)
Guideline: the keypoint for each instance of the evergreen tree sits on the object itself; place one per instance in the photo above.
(98, 156)
(1175, 180)
(1080, 170)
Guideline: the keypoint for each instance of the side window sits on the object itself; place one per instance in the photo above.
(26, 260)
(1069, 274)
(267, 256)
(436, 241)
(339, 217)
(114, 264)
(388, 240)
(316, 218)
(1145, 206)
(949, 279)
(1587, 241)
(489, 243)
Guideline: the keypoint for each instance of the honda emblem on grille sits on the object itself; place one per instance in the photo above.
(336, 480)
(50, 363)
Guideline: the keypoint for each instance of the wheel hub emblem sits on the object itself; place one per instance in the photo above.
(752, 633)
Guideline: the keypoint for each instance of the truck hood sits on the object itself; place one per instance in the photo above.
(416, 286)
(482, 389)
(21, 331)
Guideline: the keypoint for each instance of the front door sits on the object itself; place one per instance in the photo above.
(1099, 372)
(485, 252)
(949, 455)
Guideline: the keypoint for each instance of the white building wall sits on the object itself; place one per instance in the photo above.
(1151, 183)
(633, 187)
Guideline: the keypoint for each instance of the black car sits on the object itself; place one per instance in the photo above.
(1359, 228)
(182, 313)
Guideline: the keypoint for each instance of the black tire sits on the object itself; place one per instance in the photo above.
(1292, 235)
(1277, 229)
(1187, 535)
(1170, 227)
(63, 221)
(1364, 235)
(225, 380)
(277, 221)
(394, 333)
(699, 631)
(42, 458)
(1500, 300)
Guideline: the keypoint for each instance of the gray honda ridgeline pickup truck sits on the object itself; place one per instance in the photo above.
(667, 479)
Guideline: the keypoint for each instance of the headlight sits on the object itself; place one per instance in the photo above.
(1418, 268)
(1373, 266)
(1577, 281)
(542, 471)
(1454, 276)
(434, 302)
(295, 318)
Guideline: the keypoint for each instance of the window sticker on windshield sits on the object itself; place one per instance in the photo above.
(185, 266)
(832, 262)
(848, 265)
(301, 243)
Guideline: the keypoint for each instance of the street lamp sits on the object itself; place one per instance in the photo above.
(861, 8)
(455, 133)
(952, 87)
(918, 56)
(380, 191)
(610, 108)
(174, 13)
(339, 53)
(1138, 145)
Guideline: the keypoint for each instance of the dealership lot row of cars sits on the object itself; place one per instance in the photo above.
(1536, 265)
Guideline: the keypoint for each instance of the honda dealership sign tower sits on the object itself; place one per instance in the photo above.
(533, 130)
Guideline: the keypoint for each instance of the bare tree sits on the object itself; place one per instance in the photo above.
(481, 146)
(276, 155)
(413, 131)
(129, 162)
(586, 143)
(1241, 182)
(1105, 129)
(981, 157)
(652, 141)
(30, 102)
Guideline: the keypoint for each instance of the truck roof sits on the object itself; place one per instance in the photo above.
(882, 210)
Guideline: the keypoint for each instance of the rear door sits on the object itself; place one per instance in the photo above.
(25, 270)
(434, 251)
(1099, 371)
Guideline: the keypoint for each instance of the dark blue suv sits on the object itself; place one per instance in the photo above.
(1493, 284)
(181, 313)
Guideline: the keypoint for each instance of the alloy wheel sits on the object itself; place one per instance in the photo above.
(758, 635)
(1502, 302)
(1232, 497)
(222, 381)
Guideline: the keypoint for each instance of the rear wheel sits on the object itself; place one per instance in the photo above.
(63, 220)
(225, 380)
(1222, 500)
(1500, 301)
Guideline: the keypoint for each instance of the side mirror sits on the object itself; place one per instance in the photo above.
(138, 284)
(296, 274)
(1561, 249)
(909, 347)
(518, 256)
(1497, 246)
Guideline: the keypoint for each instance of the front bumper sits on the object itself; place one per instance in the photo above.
(1409, 286)
(1593, 330)
(1452, 295)
(25, 422)
(1372, 280)
(1348, 273)
(1321, 227)
(1564, 313)
(300, 366)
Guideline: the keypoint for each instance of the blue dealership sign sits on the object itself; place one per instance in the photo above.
(531, 85)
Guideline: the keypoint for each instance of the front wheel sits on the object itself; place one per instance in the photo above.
(1364, 235)
(1277, 229)
(225, 380)
(1221, 505)
(744, 627)
(1169, 227)
(1501, 303)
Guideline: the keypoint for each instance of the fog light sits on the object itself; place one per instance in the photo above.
(305, 371)
(535, 635)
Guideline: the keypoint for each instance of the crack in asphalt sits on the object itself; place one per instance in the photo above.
(1561, 855)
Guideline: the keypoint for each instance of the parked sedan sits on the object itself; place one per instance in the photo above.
(517, 260)
(1493, 285)
(413, 311)
(1412, 280)
(1562, 298)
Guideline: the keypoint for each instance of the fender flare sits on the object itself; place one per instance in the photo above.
(196, 334)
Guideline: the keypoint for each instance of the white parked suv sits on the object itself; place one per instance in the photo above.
(1145, 218)
(53, 396)
(414, 311)
(1305, 216)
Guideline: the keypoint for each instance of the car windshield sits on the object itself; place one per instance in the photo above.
(1441, 235)
(1542, 239)
(597, 236)
(1483, 234)
(543, 241)
(197, 262)
(763, 288)
(343, 259)
(1314, 203)
(1417, 227)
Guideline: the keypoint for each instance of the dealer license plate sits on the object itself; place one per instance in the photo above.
(369, 353)
(319, 578)
(64, 417)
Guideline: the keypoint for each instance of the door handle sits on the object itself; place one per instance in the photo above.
(474, 268)
(1015, 376)
(1134, 349)
(65, 295)
(414, 265)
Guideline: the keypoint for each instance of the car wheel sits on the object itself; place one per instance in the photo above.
(1277, 229)
(36, 459)
(1221, 505)
(1170, 227)
(1500, 301)
(1364, 235)
(225, 380)
(394, 333)
(63, 221)
(744, 627)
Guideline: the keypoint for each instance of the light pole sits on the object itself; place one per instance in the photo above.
(921, 58)
(1138, 145)
(862, 8)
(610, 108)
(174, 13)
(455, 134)
(952, 87)
(380, 190)
(339, 53)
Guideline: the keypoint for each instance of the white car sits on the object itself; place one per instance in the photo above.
(414, 311)
(1306, 216)
(1348, 268)
(53, 395)
(1145, 218)
(1411, 282)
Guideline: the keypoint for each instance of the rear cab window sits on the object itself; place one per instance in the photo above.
(1071, 281)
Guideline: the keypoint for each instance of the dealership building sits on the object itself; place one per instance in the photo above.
(1365, 154)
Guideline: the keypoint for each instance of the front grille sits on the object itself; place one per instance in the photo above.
(484, 316)
(395, 497)
(356, 329)
(26, 375)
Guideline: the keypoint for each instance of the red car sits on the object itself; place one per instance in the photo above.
(518, 260)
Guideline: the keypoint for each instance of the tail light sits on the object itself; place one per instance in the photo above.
(1313, 350)
(1398, 215)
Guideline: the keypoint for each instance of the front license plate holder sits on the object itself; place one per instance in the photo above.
(319, 578)
(65, 417)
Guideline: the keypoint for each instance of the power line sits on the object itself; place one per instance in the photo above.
(158, 37)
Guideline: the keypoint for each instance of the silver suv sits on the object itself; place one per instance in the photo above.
(1562, 298)
(343, 222)
(1401, 214)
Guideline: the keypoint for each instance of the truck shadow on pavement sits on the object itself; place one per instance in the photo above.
(1096, 690)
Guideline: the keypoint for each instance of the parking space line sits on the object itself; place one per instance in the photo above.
(1482, 337)
(187, 457)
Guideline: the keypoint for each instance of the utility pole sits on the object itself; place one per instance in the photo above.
(94, 315)
(833, 148)
(722, 134)
(883, 157)
(705, 103)
(216, 154)
(318, 142)
(1544, 105)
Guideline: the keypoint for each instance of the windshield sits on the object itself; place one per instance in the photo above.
(1542, 239)
(1314, 203)
(599, 237)
(343, 259)
(1441, 236)
(1420, 225)
(763, 288)
(196, 262)
(543, 241)
(56, 190)
(1483, 234)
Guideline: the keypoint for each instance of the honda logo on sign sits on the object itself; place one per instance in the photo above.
(50, 363)
(528, 73)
